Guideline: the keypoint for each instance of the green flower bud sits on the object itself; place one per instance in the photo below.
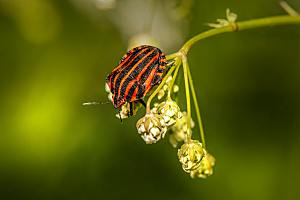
(190, 155)
(179, 130)
(175, 88)
(231, 17)
(160, 94)
(206, 167)
(170, 112)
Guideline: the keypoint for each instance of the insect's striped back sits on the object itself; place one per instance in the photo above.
(138, 71)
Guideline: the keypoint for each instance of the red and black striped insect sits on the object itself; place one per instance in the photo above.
(139, 70)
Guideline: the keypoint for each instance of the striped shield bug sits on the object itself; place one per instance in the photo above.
(139, 70)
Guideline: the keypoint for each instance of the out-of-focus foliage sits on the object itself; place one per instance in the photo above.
(55, 54)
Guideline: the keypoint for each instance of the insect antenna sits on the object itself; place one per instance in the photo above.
(94, 103)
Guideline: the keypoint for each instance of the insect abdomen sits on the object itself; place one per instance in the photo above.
(139, 70)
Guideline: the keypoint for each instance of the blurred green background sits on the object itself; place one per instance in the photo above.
(55, 55)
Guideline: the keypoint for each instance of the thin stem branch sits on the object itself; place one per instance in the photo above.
(187, 94)
(288, 9)
(182, 55)
(244, 25)
(172, 56)
(173, 79)
(197, 108)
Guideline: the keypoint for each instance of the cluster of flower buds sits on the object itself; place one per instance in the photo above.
(229, 21)
(151, 128)
(166, 88)
(154, 125)
(125, 111)
(170, 112)
(178, 132)
(206, 167)
(165, 116)
(195, 159)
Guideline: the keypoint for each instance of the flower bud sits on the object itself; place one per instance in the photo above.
(175, 88)
(190, 155)
(206, 167)
(170, 112)
(165, 88)
(151, 128)
(160, 94)
(125, 111)
(231, 17)
(169, 79)
(107, 89)
(154, 108)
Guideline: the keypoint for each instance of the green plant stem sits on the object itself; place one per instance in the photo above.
(173, 79)
(182, 54)
(187, 94)
(172, 56)
(291, 11)
(244, 25)
(148, 108)
(197, 108)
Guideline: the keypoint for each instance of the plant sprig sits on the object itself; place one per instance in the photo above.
(166, 115)
(231, 26)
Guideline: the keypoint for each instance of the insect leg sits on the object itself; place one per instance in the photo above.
(142, 102)
(170, 63)
(130, 109)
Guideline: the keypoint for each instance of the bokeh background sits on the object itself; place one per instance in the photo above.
(55, 55)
